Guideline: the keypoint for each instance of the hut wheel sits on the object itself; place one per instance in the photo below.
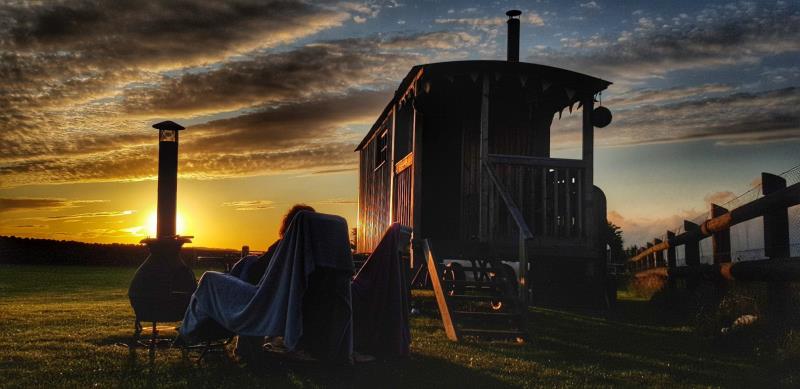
(453, 272)
(504, 276)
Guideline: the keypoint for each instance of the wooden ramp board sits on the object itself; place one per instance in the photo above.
(486, 308)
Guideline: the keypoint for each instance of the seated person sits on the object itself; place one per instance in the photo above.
(303, 296)
(252, 267)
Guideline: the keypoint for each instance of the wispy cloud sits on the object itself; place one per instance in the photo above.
(250, 205)
(91, 215)
(28, 203)
(529, 17)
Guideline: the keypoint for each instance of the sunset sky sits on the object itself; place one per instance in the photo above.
(276, 95)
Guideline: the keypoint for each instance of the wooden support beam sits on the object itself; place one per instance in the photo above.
(592, 234)
(483, 211)
(579, 205)
(438, 291)
(544, 202)
(720, 240)
(556, 210)
(567, 202)
(416, 189)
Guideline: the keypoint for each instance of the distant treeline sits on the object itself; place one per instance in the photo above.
(30, 251)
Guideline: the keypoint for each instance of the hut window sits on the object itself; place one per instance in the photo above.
(382, 149)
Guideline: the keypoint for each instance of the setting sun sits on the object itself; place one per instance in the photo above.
(152, 223)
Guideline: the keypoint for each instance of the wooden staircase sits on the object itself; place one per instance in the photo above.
(485, 307)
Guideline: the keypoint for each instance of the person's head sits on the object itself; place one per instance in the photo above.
(287, 219)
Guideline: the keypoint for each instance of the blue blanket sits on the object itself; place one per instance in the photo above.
(313, 243)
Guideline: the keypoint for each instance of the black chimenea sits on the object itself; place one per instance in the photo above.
(161, 288)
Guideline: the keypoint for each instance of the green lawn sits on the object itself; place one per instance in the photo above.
(59, 327)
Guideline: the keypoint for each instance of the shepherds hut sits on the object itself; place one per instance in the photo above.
(461, 155)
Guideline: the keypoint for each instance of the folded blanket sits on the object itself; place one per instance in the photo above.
(224, 304)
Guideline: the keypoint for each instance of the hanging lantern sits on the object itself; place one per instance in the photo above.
(601, 117)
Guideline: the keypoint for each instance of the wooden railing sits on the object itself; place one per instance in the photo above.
(525, 234)
(548, 193)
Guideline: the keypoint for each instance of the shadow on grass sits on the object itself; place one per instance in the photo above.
(141, 370)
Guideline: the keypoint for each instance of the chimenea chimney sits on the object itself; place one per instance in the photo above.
(513, 35)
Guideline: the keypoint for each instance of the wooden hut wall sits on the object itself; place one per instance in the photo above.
(375, 177)
(451, 109)
(518, 123)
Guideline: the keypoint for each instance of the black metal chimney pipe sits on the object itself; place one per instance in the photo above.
(167, 177)
(513, 35)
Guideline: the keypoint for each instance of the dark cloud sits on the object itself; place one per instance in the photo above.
(300, 74)
(289, 125)
(158, 33)
(71, 51)
(725, 35)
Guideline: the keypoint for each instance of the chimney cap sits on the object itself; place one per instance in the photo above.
(513, 12)
(168, 125)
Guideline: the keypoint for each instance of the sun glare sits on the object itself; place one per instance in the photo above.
(152, 223)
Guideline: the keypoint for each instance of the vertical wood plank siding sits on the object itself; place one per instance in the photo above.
(374, 197)
(403, 197)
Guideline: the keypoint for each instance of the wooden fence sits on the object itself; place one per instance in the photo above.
(660, 255)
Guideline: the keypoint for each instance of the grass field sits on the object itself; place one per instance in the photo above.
(59, 327)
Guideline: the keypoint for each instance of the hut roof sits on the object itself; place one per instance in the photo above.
(562, 77)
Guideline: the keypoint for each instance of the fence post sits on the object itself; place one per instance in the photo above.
(671, 259)
(692, 249)
(720, 241)
(776, 245)
(659, 255)
(776, 221)
(650, 256)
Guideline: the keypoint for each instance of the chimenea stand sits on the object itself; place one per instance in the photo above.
(163, 284)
